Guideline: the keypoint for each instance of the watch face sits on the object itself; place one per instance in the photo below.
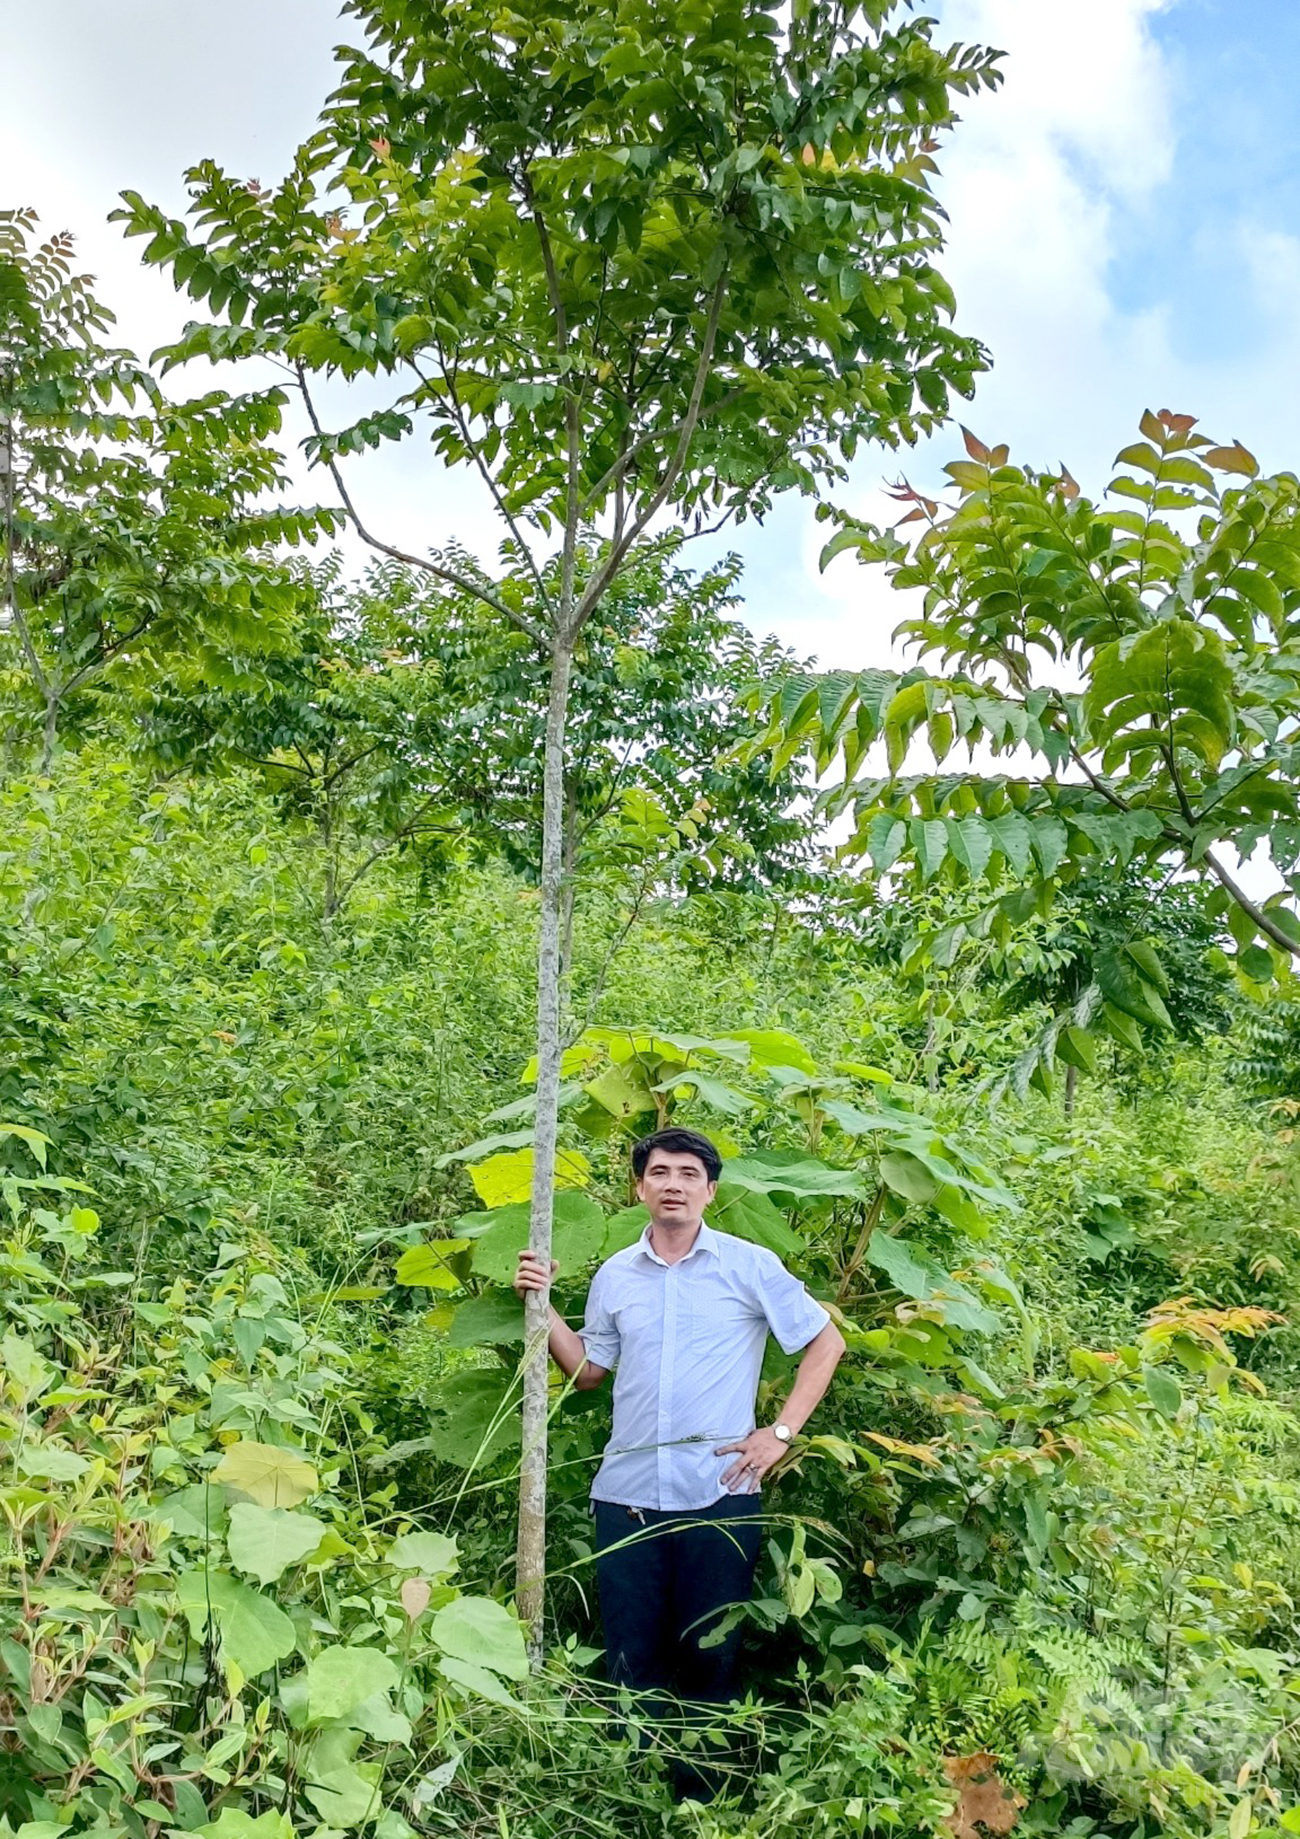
(782, 1432)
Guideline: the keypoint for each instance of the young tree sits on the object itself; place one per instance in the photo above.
(1168, 733)
(135, 530)
(630, 262)
(403, 718)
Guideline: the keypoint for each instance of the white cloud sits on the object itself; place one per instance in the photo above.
(1035, 180)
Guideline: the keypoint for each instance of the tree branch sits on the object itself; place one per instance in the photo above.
(614, 472)
(465, 583)
(690, 421)
(383, 847)
(1267, 926)
(476, 455)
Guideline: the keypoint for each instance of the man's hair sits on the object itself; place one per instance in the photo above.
(682, 1143)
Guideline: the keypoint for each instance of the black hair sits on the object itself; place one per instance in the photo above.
(684, 1143)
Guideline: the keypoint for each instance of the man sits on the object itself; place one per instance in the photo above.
(682, 1319)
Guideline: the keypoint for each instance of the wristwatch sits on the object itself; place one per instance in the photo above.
(782, 1433)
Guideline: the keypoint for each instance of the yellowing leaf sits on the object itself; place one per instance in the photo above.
(506, 1179)
(271, 1476)
(429, 1266)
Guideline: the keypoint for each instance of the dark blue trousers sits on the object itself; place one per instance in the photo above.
(666, 1578)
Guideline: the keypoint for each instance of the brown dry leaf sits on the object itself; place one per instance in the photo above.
(983, 1797)
(809, 154)
(415, 1594)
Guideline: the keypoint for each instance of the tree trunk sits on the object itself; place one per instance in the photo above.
(530, 1557)
(1071, 1081)
(49, 732)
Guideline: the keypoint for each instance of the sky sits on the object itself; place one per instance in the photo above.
(1124, 233)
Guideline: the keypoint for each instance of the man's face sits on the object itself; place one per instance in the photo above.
(675, 1187)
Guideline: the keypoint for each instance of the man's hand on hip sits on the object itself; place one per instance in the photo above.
(760, 1451)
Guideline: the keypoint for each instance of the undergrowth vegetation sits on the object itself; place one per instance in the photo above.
(1037, 1556)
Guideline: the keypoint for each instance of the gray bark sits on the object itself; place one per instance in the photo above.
(531, 1547)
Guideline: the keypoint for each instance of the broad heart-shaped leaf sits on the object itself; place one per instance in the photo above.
(234, 1823)
(430, 1265)
(775, 1171)
(432, 1554)
(709, 1090)
(47, 1462)
(917, 1275)
(624, 1228)
(254, 1632)
(774, 1047)
(195, 1512)
(476, 1629)
(577, 1234)
(265, 1541)
(504, 1180)
(487, 1320)
(341, 1678)
(907, 1175)
(344, 1792)
(267, 1474)
(476, 1416)
(753, 1216)
(478, 1681)
(622, 1091)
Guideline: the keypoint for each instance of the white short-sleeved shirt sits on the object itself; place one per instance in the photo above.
(687, 1342)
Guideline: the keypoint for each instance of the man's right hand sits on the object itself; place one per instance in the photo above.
(531, 1274)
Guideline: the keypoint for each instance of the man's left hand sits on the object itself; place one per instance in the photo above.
(760, 1451)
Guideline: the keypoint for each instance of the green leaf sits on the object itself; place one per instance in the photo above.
(971, 842)
(195, 1512)
(267, 1474)
(577, 1235)
(265, 1541)
(1123, 985)
(344, 1792)
(339, 1679)
(917, 1275)
(751, 1215)
(709, 1090)
(774, 1047)
(1257, 963)
(1076, 1047)
(478, 1681)
(488, 1320)
(476, 1416)
(1123, 1027)
(908, 1271)
(905, 1174)
(430, 1266)
(1149, 966)
(476, 1629)
(431, 1554)
(254, 1632)
(234, 1823)
(929, 839)
(1163, 1390)
(796, 1177)
(47, 1462)
(624, 1229)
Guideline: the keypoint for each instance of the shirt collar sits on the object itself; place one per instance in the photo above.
(706, 1240)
